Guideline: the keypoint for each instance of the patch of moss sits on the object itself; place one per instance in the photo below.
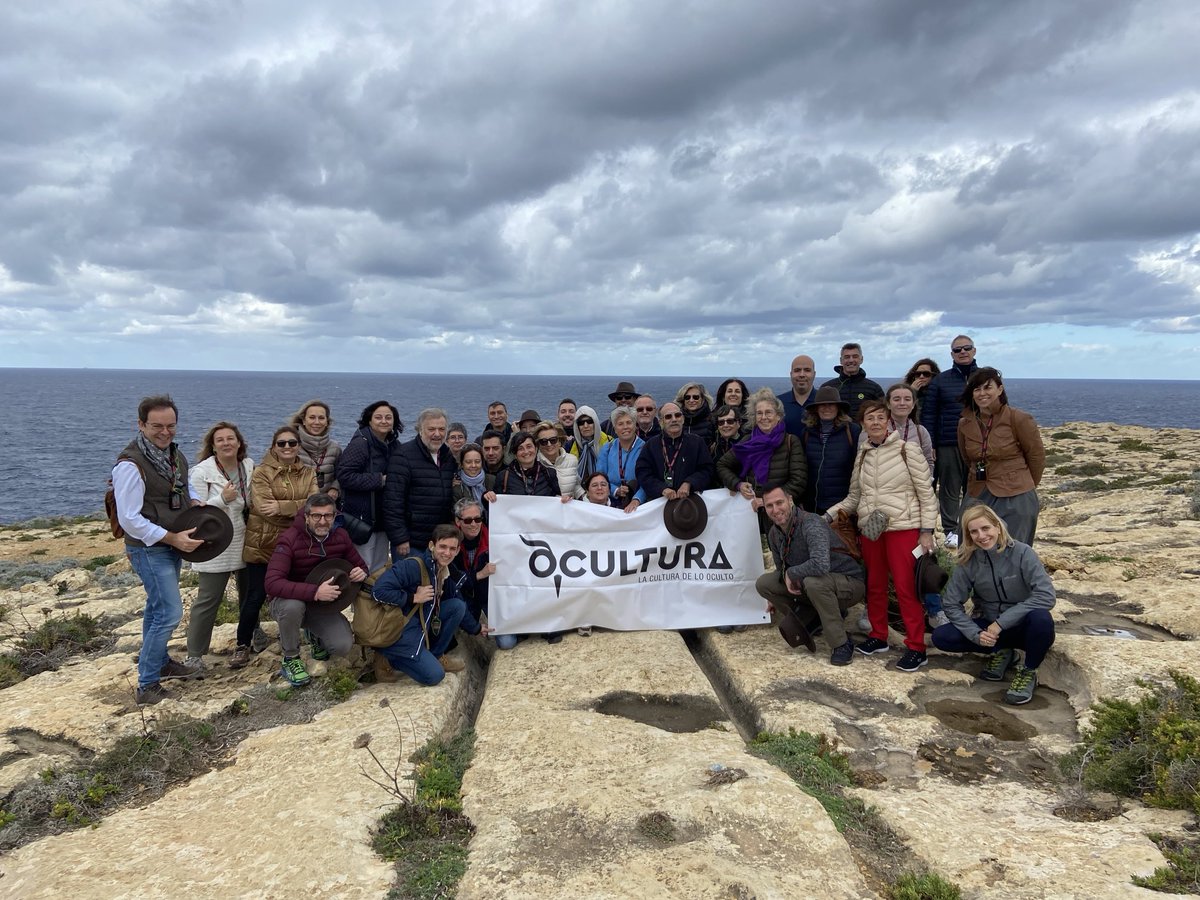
(1064, 436)
(1134, 444)
(658, 826)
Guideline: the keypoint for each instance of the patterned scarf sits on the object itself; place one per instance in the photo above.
(161, 460)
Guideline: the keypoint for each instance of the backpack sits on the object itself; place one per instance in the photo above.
(378, 624)
(110, 501)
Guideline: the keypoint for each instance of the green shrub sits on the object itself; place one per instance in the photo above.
(1148, 749)
(924, 886)
(1181, 875)
(1136, 444)
(99, 562)
(1064, 436)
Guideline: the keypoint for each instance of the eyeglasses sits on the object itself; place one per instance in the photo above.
(669, 416)
(691, 396)
(645, 409)
(584, 421)
(965, 348)
(291, 443)
(730, 421)
(470, 520)
(547, 442)
(320, 517)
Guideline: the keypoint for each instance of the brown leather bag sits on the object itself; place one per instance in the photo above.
(378, 624)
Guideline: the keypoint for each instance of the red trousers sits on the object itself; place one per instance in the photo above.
(892, 555)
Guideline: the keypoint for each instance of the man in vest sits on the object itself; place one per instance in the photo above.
(150, 485)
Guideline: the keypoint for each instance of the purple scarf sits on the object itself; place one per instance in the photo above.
(755, 452)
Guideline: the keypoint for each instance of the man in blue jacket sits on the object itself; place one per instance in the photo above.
(940, 411)
(796, 401)
(418, 493)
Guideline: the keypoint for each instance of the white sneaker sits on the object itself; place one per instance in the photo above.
(951, 541)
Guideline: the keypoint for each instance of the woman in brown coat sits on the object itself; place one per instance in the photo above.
(1003, 452)
(278, 488)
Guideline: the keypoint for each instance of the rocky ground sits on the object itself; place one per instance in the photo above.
(593, 772)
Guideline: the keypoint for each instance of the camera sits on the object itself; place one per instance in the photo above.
(981, 471)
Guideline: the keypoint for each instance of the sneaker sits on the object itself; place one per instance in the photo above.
(554, 637)
(842, 655)
(912, 660)
(585, 631)
(316, 648)
(938, 619)
(872, 645)
(1020, 690)
(294, 671)
(240, 658)
(151, 694)
(176, 669)
(260, 640)
(951, 542)
(724, 629)
(196, 664)
(450, 664)
(997, 665)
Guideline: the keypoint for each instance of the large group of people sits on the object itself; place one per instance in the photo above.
(849, 481)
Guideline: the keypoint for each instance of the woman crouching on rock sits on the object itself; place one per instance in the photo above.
(1013, 595)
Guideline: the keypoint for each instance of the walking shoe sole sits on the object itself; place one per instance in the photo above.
(859, 649)
(920, 664)
(1013, 700)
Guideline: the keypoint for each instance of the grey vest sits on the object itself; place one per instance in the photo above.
(157, 506)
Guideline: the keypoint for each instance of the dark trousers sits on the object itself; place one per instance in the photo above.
(256, 596)
(951, 477)
(1034, 634)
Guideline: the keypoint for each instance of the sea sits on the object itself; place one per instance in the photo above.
(61, 429)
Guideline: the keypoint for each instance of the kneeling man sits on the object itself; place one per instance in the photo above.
(813, 571)
(316, 608)
(428, 589)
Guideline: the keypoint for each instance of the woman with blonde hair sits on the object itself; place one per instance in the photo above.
(697, 405)
(1013, 597)
(313, 423)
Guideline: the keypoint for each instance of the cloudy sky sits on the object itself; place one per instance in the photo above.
(629, 187)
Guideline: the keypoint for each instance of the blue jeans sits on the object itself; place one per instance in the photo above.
(507, 641)
(158, 568)
(424, 668)
(1034, 634)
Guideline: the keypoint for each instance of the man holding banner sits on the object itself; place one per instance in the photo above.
(673, 464)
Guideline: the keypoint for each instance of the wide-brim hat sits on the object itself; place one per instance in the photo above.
(623, 387)
(829, 394)
(212, 526)
(793, 630)
(530, 415)
(930, 577)
(686, 517)
(340, 570)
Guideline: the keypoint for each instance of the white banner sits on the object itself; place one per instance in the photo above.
(563, 565)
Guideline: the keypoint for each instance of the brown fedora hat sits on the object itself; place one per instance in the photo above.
(686, 517)
(793, 630)
(623, 387)
(829, 394)
(340, 570)
(212, 526)
(530, 415)
(931, 577)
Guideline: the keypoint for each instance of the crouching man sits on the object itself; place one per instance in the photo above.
(814, 574)
(314, 607)
(427, 589)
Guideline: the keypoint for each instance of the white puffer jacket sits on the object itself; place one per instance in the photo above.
(894, 478)
(207, 482)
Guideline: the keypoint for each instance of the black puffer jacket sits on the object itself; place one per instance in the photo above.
(699, 423)
(940, 406)
(830, 465)
(418, 493)
(542, 483)
(855, 389)
(360, 470)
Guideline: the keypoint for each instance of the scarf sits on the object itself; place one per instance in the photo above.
(162, 461)
(754, 453)
(314, 448)
(474, 484)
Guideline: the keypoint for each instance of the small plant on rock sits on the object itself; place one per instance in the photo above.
(1181, 875)
(924, 886)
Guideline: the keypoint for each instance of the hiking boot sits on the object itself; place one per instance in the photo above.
(912, 660)
(260, 640)
(451, 664)
(315, 647)
(951, 542)
(384, 673)
(294, 671)
(872, 645)
(176, 669)
(842, 655)
(997, 665)
(240, 658)
(1021, 688)
(151, 694)
(196, 664)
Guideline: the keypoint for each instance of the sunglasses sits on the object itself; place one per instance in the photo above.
(922, 374)
(965, 348)
(292, 443)
(584, 421)
(547, 442)
(730, 421)
(626, 396)
(669, 416)
(691, 396)
(470, 520)
(645, 409)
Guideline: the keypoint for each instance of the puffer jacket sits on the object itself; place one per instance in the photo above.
(360, 470)
(787, 468)
(940, 408)
(566, 467)
(855, 388)
(699, 423)
(207, 483)
(298, 552)
(893, 478)
(1016, 457)
(543, 483)
(830, 463)
(290, 485)
(1007, 585)
(418, 494)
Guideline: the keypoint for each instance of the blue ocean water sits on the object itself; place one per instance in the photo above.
(62, 428)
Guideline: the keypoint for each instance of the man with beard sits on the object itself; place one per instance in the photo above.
(418, 493)
(674, 464)
(852, 382)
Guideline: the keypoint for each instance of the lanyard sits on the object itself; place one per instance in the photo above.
(892, 427)
(670, 463)
(984, 431)
(621, 462)
(241, 482)
(787, 540)
(530, 482)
